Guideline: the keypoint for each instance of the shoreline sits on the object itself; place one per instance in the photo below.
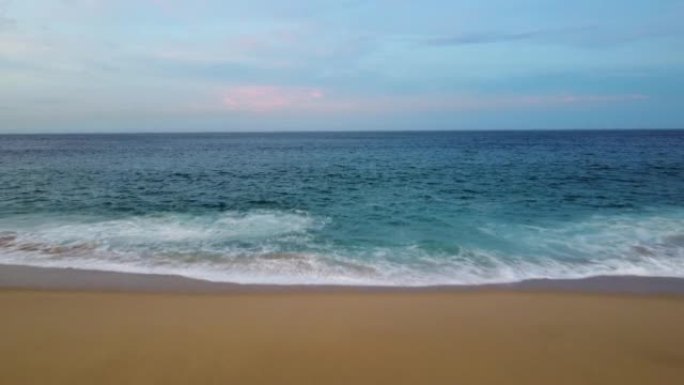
(20, 277)
(63, 326)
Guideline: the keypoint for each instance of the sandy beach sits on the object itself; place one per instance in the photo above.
(272, 336)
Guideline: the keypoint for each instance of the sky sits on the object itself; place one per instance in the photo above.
(302, 65)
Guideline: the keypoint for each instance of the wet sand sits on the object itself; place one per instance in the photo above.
(245, 336)
(40, 278)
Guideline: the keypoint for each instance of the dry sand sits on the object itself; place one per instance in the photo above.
(310, 337)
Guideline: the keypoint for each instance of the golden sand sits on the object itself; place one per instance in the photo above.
(340, 338)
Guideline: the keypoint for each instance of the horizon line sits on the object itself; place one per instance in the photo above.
(334, 131)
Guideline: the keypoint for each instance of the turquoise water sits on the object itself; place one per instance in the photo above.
(402, 209)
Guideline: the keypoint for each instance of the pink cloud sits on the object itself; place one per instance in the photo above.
(267, 99)
(271, 98)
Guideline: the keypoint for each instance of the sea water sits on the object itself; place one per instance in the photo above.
(399, 208)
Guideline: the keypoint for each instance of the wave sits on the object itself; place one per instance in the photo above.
(288, 247)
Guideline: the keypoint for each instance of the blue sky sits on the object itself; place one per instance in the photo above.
(267, 65)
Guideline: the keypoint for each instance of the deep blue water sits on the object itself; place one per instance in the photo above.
(348, 208)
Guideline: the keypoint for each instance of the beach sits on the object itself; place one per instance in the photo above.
(341, 192)
(172, 332)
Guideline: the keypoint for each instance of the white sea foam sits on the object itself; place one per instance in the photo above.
(173, 228)
(278, 247)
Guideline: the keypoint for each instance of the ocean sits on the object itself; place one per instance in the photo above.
(372, 208)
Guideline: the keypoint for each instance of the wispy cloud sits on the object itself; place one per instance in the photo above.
(274, 99)
(582, 35)
(6, 22)
(483, 38)
(454, 103)
(266, 98)
(21, 48)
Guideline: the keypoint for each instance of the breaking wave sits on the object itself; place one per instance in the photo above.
(292, 247)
